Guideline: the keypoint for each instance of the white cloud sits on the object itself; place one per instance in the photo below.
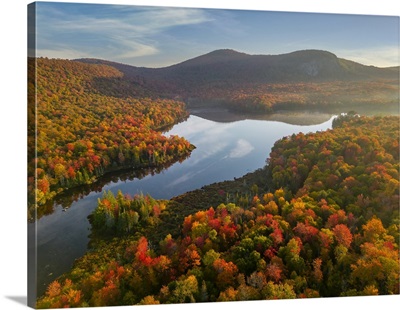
(114, 36)
(380, 56)
(135, 49)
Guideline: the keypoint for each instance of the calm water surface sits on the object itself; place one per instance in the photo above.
(223, 151)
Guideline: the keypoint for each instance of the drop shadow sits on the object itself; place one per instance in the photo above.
(23, 300)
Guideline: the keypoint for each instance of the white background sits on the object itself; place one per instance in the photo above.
(13, 254)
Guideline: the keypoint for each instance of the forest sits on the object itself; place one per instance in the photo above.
(78, 132)
(321, 219)
(330, 96)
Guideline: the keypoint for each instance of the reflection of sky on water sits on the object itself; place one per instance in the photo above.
(242, 148)
(223, 151)
(209, 137)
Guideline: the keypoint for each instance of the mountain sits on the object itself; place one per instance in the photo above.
(231, 66)
(311, 76)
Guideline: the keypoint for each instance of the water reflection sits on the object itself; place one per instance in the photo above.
(242, 148)
(68, 197)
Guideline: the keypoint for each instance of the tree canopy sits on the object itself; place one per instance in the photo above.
(79, 131)
(326, 225)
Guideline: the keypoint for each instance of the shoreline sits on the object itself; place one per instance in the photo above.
(224, 115)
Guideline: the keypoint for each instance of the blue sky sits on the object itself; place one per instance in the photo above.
(157, 36)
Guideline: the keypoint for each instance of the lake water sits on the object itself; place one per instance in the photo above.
(224, 150)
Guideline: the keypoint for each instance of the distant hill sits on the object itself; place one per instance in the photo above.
(233, 76)
(300, 66)
(232, 66)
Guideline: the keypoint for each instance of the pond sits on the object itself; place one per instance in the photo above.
(224, 150)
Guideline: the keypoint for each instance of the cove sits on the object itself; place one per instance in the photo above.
(224, 150)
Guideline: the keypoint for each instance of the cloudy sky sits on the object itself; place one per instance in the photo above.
(157, 36)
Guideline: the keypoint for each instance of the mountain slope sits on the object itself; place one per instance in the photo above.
(260, 82)
(229, 65)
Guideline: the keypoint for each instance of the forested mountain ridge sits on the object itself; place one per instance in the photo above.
(80, 127)
(263, 83)
(230, 65)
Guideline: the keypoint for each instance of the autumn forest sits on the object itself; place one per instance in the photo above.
(319, 219)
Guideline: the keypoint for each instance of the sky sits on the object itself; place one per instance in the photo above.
(160, 36)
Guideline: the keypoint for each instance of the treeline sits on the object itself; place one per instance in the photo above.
(81, 134)
(328, 226)
(272, 97)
